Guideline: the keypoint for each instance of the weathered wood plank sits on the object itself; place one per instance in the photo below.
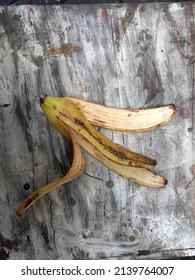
(134, 56)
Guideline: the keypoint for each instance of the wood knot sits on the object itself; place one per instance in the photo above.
(184, 113)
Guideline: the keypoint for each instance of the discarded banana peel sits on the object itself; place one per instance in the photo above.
(73, 117)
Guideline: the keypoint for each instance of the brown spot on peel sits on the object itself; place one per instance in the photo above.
(77, 121)
(62, 50)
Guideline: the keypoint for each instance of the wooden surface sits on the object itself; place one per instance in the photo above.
(136, 56)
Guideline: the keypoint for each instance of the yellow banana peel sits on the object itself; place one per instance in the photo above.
(73, 118)
(125, 120)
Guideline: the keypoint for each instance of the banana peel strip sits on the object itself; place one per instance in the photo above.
(141, 176)
(77, 167)
(125, 120)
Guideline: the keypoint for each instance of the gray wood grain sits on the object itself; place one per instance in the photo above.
(136, 56)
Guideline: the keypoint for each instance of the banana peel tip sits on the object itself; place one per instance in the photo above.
(174, 108)
(42, 99)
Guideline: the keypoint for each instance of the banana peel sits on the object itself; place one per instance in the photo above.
(73, 118)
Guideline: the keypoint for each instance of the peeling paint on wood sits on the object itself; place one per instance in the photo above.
(129, 56)
(121, 28)
(66, 49)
